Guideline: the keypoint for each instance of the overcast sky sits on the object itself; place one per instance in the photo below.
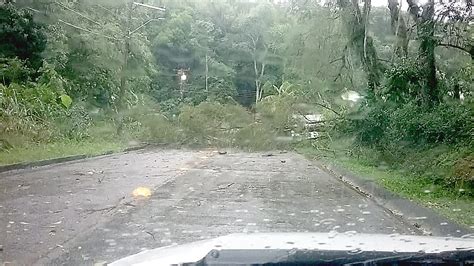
(379, 2)
(385, 3)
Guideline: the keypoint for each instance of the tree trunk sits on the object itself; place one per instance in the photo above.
(425, 26)
(207, 74)
(356, 23)
(257, 82)
(399, 28)
(123, 74)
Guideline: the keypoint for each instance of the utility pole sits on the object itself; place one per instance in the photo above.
(123, 74)
(182, 80)
(126, 52)
(207, 73)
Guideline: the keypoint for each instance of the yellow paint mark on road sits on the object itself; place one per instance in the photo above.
(141, 192)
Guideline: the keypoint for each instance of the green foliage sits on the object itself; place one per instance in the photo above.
(259, 137)
(435, 143)
(212, 123)
(20, 35)
(298, 53)
(277, 112)
(65, 100)
(463, 171)
(403, 82)
(388, 124)
(13, 70)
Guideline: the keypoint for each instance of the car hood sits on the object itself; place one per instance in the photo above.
(277, 247)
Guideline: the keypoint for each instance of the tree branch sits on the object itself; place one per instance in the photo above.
(414, 9)
(328, 108)
(469, 50)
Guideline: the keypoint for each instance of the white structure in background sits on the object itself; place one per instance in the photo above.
(352, 96)
(310, 122)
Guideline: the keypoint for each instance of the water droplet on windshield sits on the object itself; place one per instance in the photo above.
(456, 210)
(332, 234)
(350, 233)
(427, 191)
(327, 221)
(355, 251)
(444, 223)
(340, 210)
(365, 212)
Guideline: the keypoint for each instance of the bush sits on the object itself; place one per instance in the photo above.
(159, 129)
(257, 137)
(212, 123)
(30, 110)
(386, 123)
(277, 112)
(75, 124)
(434, 143)
(463, 172)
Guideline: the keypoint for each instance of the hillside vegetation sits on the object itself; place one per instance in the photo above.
(392, 90)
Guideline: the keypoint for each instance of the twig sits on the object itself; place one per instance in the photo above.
(225, 187)
(328, 108)
(102, 209)
(152, 235)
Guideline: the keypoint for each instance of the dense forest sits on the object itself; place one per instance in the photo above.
(392, 85)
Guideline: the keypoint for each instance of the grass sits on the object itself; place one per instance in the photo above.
(36, 152)
(451, 203)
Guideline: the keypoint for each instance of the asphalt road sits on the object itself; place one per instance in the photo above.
(83, 212)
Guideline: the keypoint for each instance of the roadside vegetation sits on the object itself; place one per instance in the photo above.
(383, 92)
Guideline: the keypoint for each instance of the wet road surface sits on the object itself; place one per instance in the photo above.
(83, 213)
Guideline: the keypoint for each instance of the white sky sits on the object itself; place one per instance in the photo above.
(379, 2)
(385, 3)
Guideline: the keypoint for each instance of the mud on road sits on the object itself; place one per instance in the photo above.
(83, 212)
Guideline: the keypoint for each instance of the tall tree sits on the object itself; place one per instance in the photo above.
(423, 15)
(399, 28)
(20, 35)
(356, 23)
